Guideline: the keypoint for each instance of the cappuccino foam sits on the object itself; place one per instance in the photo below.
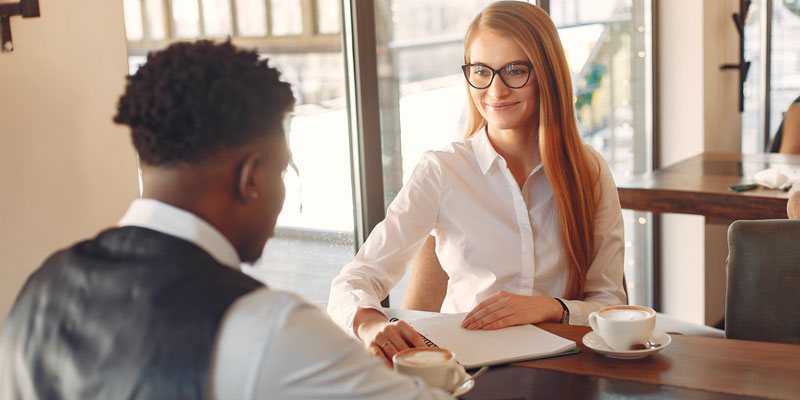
(425, 358)
(625, 314)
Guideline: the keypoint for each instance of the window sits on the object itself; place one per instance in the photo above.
(770, 40)
(315, 234)
(608, 44)
(421, 90)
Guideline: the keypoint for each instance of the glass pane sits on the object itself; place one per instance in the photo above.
(605, 46)
(287, 17)
(217, 17)
(252, 17)
(186, 18)
(328, 16)
(155, 19)
(752, 122)
(785, 79)
(133, 19)
(315, 234)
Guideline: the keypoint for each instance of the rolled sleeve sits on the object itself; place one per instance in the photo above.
(391, 246)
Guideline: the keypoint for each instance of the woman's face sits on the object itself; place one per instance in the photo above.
(503, 107)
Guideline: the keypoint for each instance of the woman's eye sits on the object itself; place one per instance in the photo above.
(482, 72)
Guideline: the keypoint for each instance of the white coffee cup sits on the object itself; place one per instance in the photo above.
(622, 327)
(436, 366)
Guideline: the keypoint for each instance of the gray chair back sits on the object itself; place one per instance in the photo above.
(763, 293)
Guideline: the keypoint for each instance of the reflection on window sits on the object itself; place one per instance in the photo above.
(133, 19)
(605, 46)
(286, 17)
(186, 18)
(217, 18)
(328, 16)
(155, 19)
(784, 57)
(252, 19)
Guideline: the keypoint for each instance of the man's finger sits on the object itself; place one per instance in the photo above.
(396, 340)
(376, 351)
(412, 337)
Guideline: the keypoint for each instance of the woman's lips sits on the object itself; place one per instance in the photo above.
(500, 106)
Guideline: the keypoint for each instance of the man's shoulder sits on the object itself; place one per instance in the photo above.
(273, 301)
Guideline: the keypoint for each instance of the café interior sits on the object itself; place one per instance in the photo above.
(682, 98)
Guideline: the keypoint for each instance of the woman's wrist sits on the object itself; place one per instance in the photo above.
(364, 319)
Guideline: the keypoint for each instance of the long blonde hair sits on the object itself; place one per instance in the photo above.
(571, 170)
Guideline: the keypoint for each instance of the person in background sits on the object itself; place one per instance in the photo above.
(157, 308)
(526, 217)
(787, 137)
(793, 205)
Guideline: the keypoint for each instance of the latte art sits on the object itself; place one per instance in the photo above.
(425, 357)
(624, 314)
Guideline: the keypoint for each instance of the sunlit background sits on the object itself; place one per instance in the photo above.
(422, 101)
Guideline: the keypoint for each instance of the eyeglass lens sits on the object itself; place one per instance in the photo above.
(513, 75)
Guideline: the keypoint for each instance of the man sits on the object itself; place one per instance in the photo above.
(157, 307)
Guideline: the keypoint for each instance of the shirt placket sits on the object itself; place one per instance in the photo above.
(525, 282)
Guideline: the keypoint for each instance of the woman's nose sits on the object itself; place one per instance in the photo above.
(498, 88)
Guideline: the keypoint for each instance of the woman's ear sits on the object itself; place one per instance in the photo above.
(247, 188)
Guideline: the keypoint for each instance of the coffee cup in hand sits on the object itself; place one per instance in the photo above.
(623, 327)
(436, 366)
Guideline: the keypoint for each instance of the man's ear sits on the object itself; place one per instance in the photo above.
(247, 188)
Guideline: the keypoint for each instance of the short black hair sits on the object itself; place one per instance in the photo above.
(192, 100)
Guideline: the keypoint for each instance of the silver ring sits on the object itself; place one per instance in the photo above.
(383, 347)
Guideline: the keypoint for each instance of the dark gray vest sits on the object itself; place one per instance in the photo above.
(131, 314)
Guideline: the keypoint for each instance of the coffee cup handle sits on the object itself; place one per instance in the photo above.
(593, 320)
(458, 375)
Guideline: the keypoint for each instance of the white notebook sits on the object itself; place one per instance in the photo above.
(484, 347)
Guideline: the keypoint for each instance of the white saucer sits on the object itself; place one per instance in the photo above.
(464, 389)
(593, 341)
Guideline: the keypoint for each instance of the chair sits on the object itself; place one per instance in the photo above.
(427, 286)
(762, 298)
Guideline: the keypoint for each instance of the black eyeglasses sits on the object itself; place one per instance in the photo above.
(515, 75)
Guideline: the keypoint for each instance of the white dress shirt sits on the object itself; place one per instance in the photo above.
(272, 344)
(490, 236)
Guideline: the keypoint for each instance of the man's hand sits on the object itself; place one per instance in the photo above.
(507, 309)
(383, 338)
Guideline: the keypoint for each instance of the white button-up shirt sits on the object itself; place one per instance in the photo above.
(490, 236)
(272, 344)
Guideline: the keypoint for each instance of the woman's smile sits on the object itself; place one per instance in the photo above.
(501, 106)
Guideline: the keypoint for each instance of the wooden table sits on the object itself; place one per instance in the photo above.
(699, 185)
(691, 367)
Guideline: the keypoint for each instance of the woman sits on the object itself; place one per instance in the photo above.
(526, 217)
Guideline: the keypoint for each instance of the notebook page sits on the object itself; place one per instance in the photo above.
(485, 347)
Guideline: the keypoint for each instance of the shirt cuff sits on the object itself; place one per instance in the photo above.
(576, 315)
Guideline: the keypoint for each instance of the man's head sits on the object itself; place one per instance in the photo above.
(207, 122)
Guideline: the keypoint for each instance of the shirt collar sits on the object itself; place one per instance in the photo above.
(484, 152)
(487, 155)
(173, 221)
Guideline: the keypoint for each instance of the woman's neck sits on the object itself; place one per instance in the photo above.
(519, 147)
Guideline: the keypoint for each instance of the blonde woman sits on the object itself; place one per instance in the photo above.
(526, 216)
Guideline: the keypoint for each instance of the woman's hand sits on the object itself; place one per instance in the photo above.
(383, 338)
(507, 309)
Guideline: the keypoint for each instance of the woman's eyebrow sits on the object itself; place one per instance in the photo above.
(510, 62)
